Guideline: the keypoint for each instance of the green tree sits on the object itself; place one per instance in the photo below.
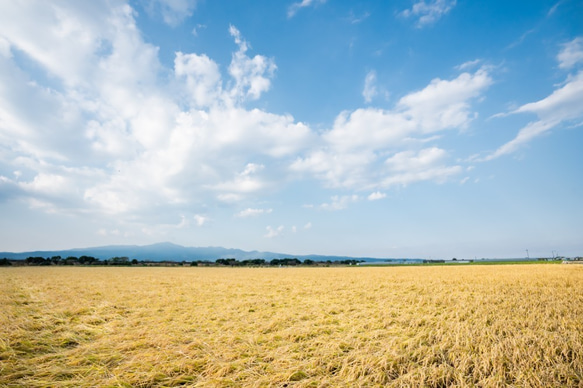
(119, 260)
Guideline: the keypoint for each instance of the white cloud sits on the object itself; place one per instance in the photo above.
(353, 151)
(251, 212)
(271, 232)
(428, 164)
(229, 197)
(571, 54)
(411, 161)
(445, 104)
(202, 78)
(339, 202)
(149, 142)
(370, 90)
(295, 7)
(113, 132)
(196, 29)
(183, 223)
(200, 220)
(308, 226)
(564, 104)
(252, 75)
(430, 11)
(173, 11)
(246, 181)
(376, 196)
(553, 9)
(469, 65)
(353, 19)
(51, 184)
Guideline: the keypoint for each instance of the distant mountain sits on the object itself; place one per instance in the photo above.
(172, 252)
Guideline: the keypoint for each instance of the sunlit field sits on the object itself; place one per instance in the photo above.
(518, 325)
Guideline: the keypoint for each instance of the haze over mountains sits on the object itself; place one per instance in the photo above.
(172, 252)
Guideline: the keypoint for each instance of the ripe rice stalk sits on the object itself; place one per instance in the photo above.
(433, 326)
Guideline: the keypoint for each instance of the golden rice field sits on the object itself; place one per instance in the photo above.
(442, 326)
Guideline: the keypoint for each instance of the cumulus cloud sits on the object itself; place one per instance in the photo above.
(114, 132)
(202, 78)
(252, 76)
(352, 154)
(140, 144)
(445, 104)
(376, 196)
(295, 7)
(111, 113)
(428, 12)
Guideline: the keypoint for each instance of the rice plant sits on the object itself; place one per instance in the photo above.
(484, 326)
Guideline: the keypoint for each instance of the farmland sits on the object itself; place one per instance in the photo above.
(437, 326)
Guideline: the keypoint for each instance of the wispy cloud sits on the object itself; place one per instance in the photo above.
(428, 12)
(201, 220)
(295, 7)
(469, 65)
(571, 54)
(196, 29)
(250, 212)
(339, 202)
(561, 106)
(554, 8)
(370, 89)
(522, 37)
(173, 11)
(353, 19)
(273, 232)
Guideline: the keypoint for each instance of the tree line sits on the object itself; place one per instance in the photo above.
(286, 262)
(69, 260)
(126, 261)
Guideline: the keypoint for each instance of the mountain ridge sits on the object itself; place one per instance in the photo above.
(168, 251)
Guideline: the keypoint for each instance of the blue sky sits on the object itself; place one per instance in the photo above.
(432, 129)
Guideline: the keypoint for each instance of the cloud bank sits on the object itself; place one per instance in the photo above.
(114, 132)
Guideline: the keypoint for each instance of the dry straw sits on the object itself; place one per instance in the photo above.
(479, 326)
